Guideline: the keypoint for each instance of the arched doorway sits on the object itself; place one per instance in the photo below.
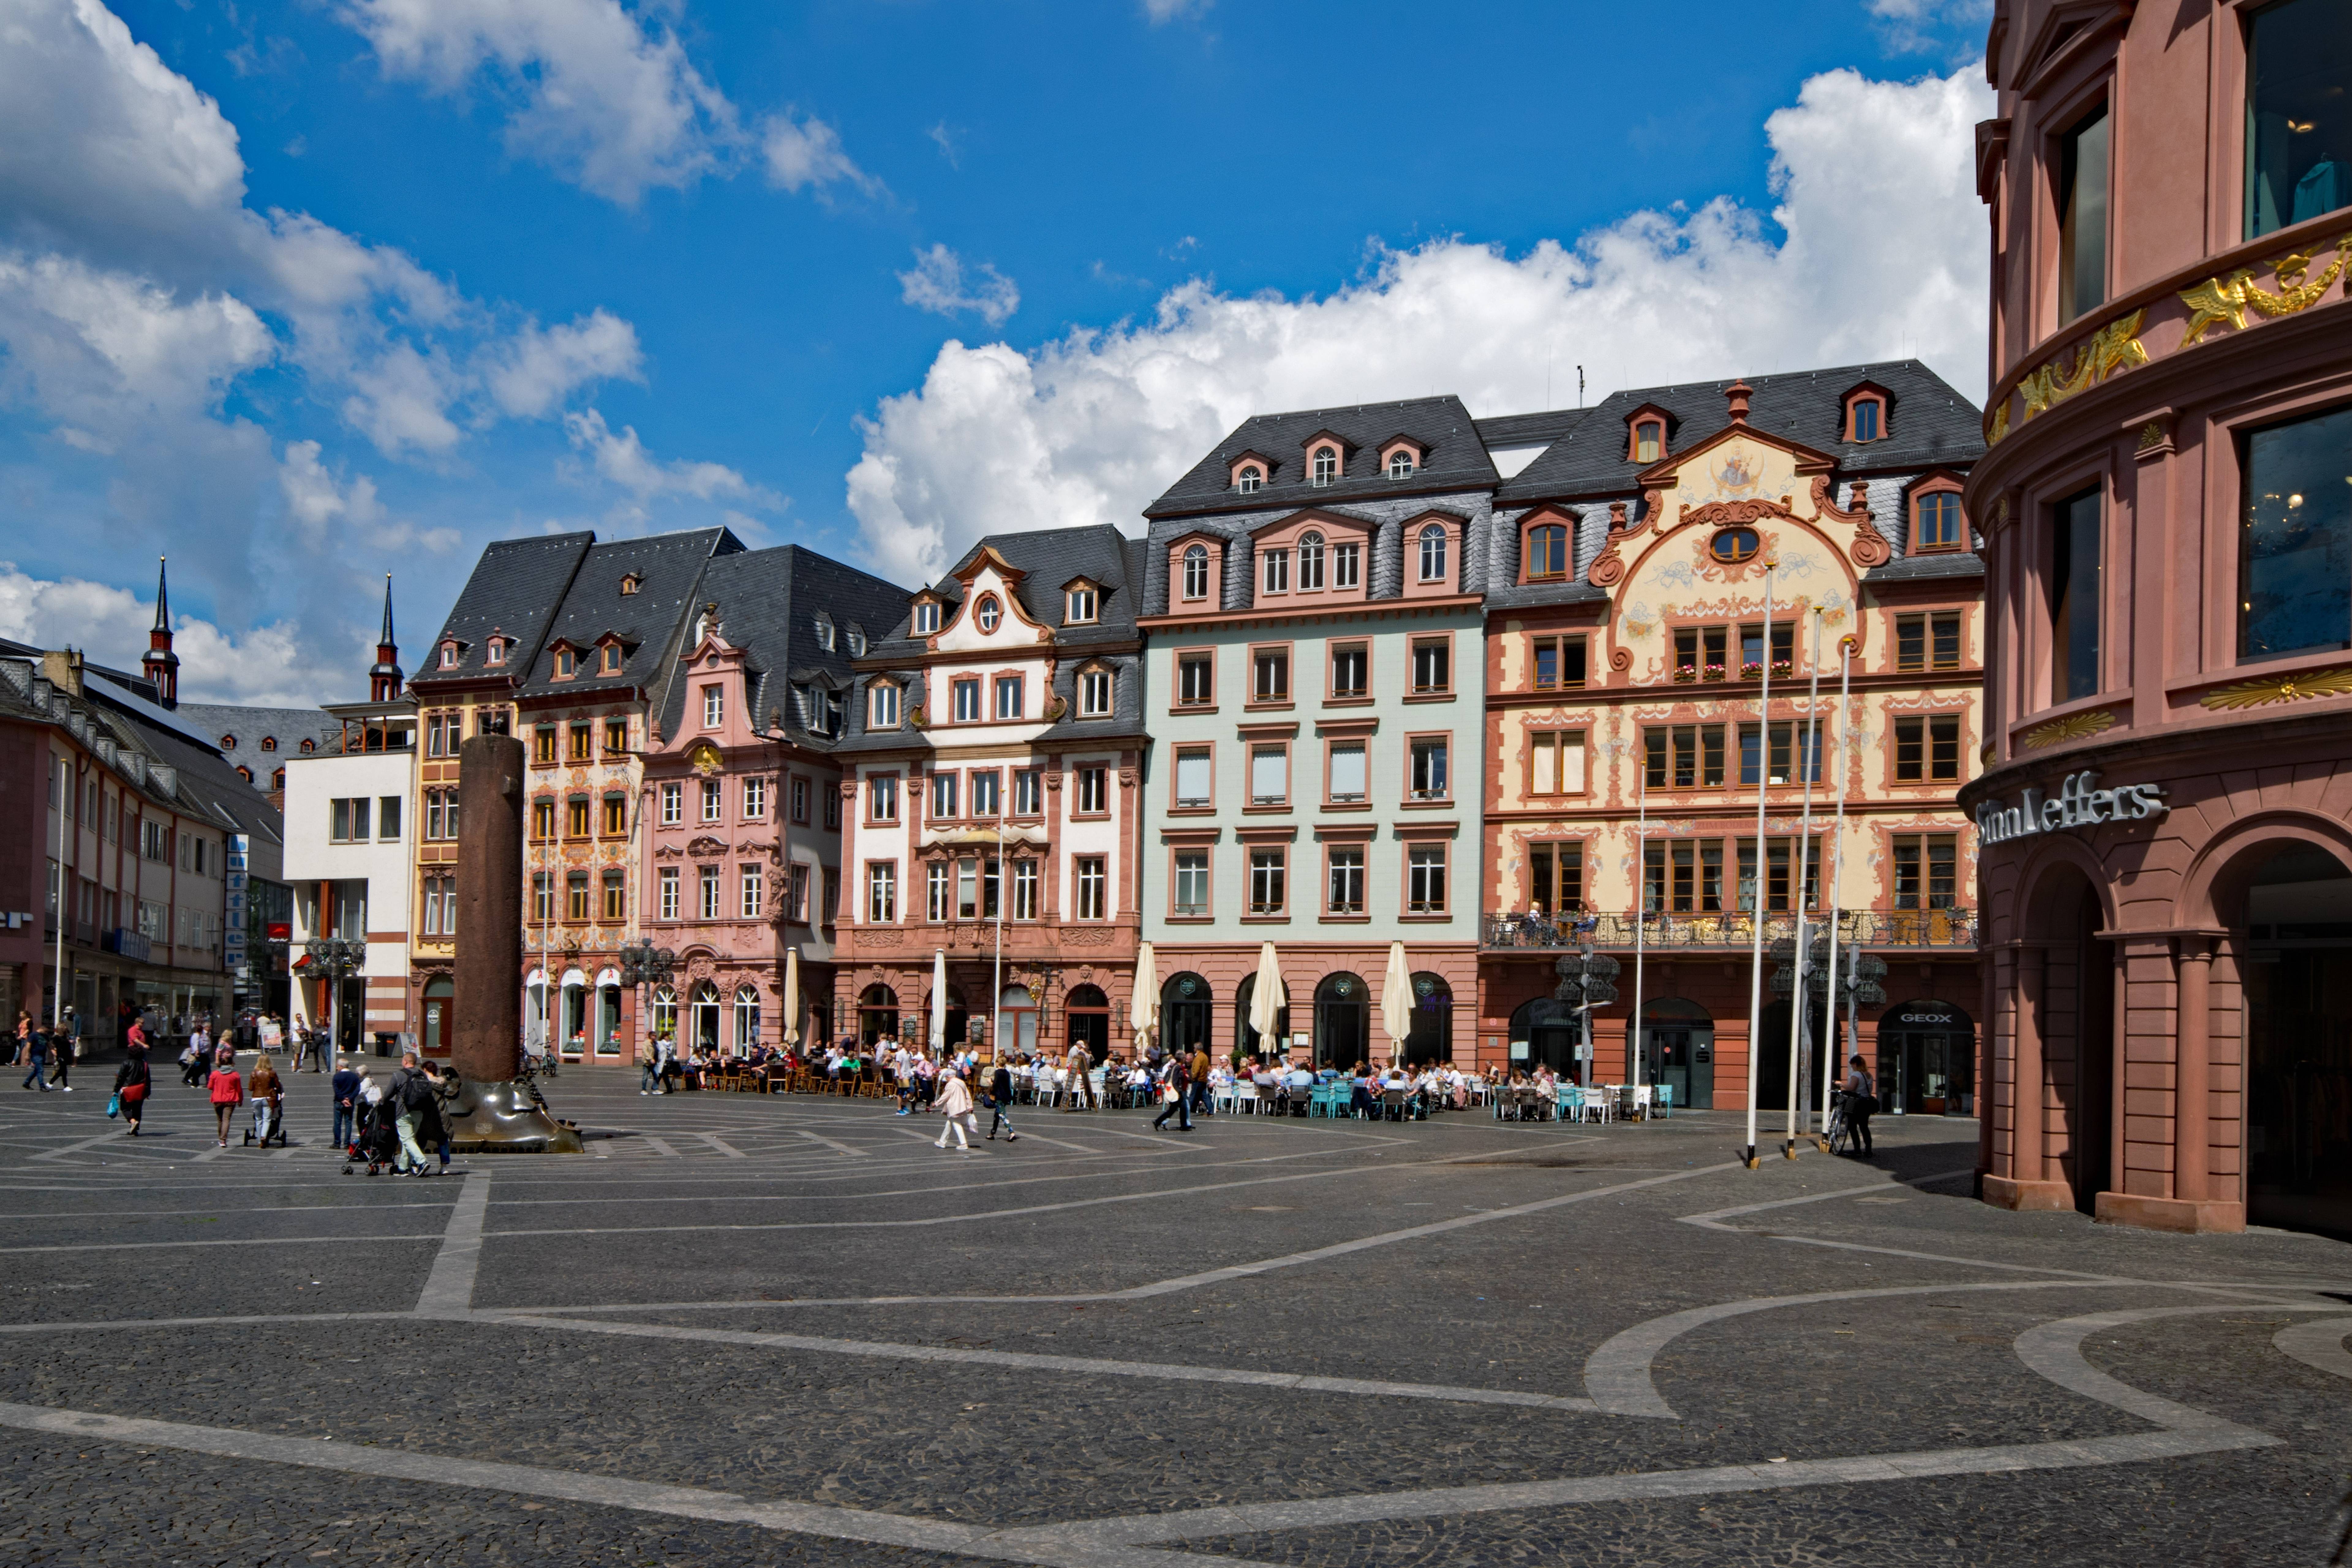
(1186, 1014)
(1926, 1059)
(747, 1020)
(1251, 1043)
(437, 993)
(1545, 1032)
(574, 1019)
(2295, 968)
(957, 1031)
(1016, 1022)
(878, 1016)
(1089, 1011)
(2074, 1013)
(608, 1013)
(1678, 1050)
(1342, 1012)
(534, 1010)
(1431, 1036)
(703, 1027)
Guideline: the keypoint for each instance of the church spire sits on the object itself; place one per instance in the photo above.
(159, 663)
(384, 679)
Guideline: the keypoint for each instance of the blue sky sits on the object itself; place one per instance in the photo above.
(304, 293)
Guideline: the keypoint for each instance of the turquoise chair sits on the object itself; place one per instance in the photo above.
(1570, 1105)
(1661, 1101)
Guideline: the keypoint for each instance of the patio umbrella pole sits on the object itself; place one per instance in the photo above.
(1756, 889)
(1809, 762)
(1837, 871)
(1641, 916)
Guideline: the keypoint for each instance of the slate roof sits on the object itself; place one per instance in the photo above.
(1453, 457)
(248, 727)
(1929, 425)
(1930, 565)
(651, 622)
(1529, 429)
(767, 604)
(514, 590)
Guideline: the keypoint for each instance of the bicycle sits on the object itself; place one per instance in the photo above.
(1842, 1131)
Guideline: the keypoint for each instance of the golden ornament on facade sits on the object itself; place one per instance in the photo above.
(2073, 727)
(2114, 347)
(2282, 688)
(2219, 301)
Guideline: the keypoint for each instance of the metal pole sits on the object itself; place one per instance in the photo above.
(58, 987)
(1584, 1015)
(1756, 897)
(1641, 913)
(996, 997)
(1808, 730)
(1837, 872)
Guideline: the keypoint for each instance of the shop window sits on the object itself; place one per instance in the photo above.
(2074, 594)
(2294, 560)
(2083, 217)
(2298, 139)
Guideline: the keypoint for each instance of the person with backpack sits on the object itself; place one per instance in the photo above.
(131, 1086)
(227, 1091)
(411, 1096)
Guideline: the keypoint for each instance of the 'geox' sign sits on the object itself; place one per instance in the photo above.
(2076, 805)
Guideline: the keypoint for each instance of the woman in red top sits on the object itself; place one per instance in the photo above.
(228, 1093)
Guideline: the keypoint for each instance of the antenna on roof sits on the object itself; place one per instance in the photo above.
(1580, 387)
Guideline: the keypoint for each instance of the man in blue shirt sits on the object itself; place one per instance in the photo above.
(347, 1094)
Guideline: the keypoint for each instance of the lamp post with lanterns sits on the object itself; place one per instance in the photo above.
(1855, 983)
(1587, 980)
(335, 960)
(644, 964)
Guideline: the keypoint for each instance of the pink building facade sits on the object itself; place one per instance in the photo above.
(2166, 860)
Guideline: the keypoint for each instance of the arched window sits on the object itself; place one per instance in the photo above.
(1936, 520)
(988, 612)
(1432, 554)
(1196, 572)
(1867, 414)
(1326, 465)
(747, 1020)
(1186, 1006)
(704, 1036)
(1311, 561)
(1089, 1013)
(1649, 441)
(1016, 1021)
(1547, 551)
(1401, 463)
(665, 1013)
(877, 1014)
(1252, 476)
(1429, 1037)
(1342, 1013)
(1251, 1043)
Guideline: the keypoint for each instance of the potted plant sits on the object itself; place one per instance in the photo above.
(1685, 674)
(1782, 667)
(1715, 672)
(1749, 670)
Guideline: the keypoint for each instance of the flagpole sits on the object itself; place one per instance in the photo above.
(1756, 894)
(1641, 911)
(1807, 731)
(1837, 870)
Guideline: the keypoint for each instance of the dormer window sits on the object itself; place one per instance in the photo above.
(1546, 552)
(1432, 554)
(1094, 692)
(1251, 479)
(309, 747)
(630, 584)
(1936, 520)
(448, 656)
(496, 652)
(825, 631)
(1649, 440)
(1865, 418)
(1080, 610)
(1275, 576)
(927, 617)
(611, 663)
(989, 613)
(1310, 563)
(882, 705)
(268, 742)
(1865, 412)
(856, 642)
(566, 664)
(1196, 572)
(1326, 466)
(228, 742)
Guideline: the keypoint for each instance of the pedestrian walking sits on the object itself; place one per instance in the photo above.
(1173, 1087)
(954, 1102)
(130, 1085)
(21, 1040)
(61, 1059)
(1079, 1064)
(649, 1062)
(411, 1096)
(1861, 1100)
(1197, 1067)
(228, 1093)
(37, 1052)
(999, 1101)
(269, 1095)
(346, 1089)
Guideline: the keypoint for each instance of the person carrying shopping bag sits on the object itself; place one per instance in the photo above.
(130, 1085)
(955, 1104)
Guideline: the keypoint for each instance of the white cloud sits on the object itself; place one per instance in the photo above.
(1933, 24)
(622, 459)
(1160, 11)
(106, 350)
(936, 283)
(597, 95)
(316, 501)
(1880, 253)
(807, 152)
(265, 665)
(537, 369)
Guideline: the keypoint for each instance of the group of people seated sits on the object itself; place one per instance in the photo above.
(1541, 929)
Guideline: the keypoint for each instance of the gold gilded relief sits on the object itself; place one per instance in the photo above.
(2282, 688)
(2224, 302)
(2073, 727)
(2114, 347)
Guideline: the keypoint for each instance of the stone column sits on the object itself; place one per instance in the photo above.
(2191, 1068)
(2025, 1070)
(486, 1032)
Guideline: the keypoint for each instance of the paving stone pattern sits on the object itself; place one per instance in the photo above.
(798, 1301)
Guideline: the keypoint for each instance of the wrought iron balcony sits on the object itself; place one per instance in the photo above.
(1954, 928)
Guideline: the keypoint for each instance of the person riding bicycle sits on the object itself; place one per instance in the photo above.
(1861, 1100)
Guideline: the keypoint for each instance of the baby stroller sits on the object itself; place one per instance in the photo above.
(268, 1121)
(376, 1139)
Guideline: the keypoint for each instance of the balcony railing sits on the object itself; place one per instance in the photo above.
(1954, 928)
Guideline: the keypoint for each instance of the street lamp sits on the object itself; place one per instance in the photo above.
(1855, 983)
(335, 959)
(1587, 980)
(642, 964)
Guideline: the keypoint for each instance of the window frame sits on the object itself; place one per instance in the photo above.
(1285, 700)
(1251, 800)
(1091, 680)
(1329, 909)
(881, 796)
(1559, 644)
(1177, 909)
(988, 615)
(1533, 739)
(1332, 650)
(1081, 605)
(1177, 804)
(1184, 659)
(1415, 744)
(1262, 860)
(1937, 490)
(1441, 536)
(881, 695)
(1080, 774)
(1420, 908)
(881, 900)
(1414, 644)
(1015, 687)
(1546, 523)
(1082, 867)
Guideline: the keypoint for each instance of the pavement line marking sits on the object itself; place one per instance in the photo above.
(722, 1144)
(834, 1144)
(2319, 1345)
(449, 1290)
(215, 1153)
(1031, 1362)
(227, 1241)
(659, 1145)
(59, 1153)
(1056, 1143)
(1712, 1220)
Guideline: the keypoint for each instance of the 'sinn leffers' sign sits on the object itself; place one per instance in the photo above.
(2078, 804)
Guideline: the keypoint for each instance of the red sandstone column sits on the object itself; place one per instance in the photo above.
(2192, 1071)
(2025, 1070)
(486, 1029)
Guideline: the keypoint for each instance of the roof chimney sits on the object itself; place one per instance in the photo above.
(1737, 394)
(158, 664)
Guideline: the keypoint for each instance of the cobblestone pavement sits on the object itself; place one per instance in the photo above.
(753, 1329)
